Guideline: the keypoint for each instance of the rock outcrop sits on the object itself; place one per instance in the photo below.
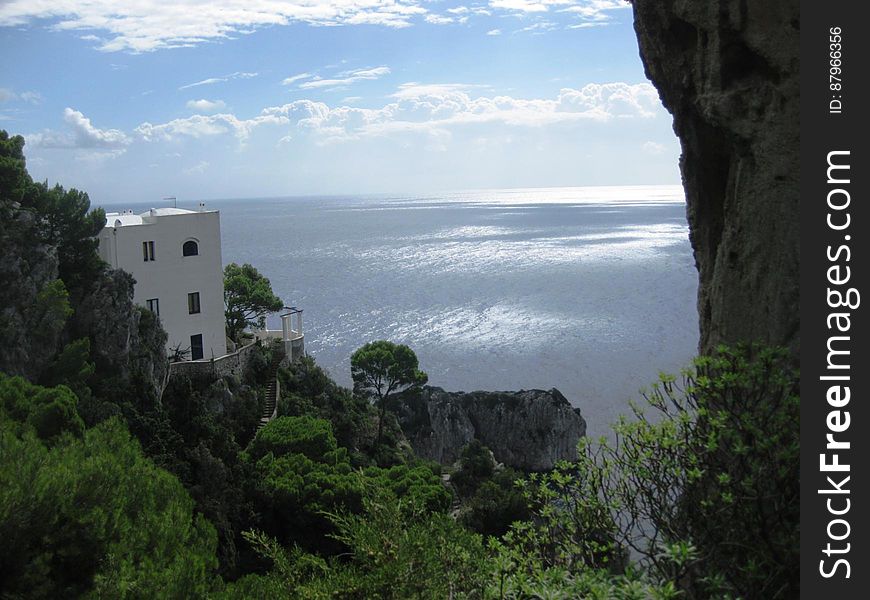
(29, 333)
(529, 430)
(126, 340)
(728, 72)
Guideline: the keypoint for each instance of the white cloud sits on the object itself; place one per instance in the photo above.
(197, 169)
(439, 20)
(199, 126)
(538, 27)
(436, 109)
(223, 78)
(294, 78)
(586, 10)
(415, 90)
(83, 134)
(31, 97)
(526, 6)
(653, 148)
(147, 25)
(346, 78)
(437, 114)
(494, 32)
(595, 10)
(206, 106)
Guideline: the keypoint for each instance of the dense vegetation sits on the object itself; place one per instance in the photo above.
(113, 486)
(248, 298)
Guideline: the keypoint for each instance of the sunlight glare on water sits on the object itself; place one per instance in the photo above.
(589, 290)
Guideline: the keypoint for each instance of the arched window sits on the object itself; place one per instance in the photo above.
(190, 248)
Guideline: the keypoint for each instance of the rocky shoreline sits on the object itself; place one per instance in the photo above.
(529, 430)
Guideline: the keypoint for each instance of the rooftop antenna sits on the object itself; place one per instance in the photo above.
(174, 201)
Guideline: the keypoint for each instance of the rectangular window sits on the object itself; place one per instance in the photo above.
(193, 303)
(196, 347)
(148, 251)
(153, 305)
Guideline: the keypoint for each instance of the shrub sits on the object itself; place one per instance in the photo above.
(704, 490)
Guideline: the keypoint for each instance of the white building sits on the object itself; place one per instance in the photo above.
(175, 257)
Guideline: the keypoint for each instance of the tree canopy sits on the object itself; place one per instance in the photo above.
(84, 513)
(248, 296)
(380, 369)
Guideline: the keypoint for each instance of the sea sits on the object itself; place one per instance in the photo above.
(591, 290)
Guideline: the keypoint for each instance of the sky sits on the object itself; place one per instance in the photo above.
(135, 100)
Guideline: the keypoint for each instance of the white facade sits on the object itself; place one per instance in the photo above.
(175, 257)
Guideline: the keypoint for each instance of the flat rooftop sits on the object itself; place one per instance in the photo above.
(128, 218)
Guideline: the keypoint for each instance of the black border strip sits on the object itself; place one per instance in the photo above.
(833, 131)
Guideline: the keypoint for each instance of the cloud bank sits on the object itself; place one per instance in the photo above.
(148, 25)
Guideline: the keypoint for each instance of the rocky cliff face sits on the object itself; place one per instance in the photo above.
(728, 72)
(28, 338)
(127, 343)
(529, 429)
(126, 340)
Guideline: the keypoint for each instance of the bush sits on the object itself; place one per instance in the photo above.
(476, 465)
(496, 505)
(395, 549)
(94, 516)
(704, 491)
(294, 435)
(50, 411)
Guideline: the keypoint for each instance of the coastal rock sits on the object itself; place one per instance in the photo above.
(28, 339)
(727, 70)
(529, 429)
(126, 340)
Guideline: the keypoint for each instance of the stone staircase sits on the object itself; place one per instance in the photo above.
(270, 408)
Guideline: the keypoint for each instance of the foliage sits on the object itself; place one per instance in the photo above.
(199, 435)
(68, 223)
(705, 492)
(419, 484)
(294, 435)
(72, 367)
(380, 369)
(91, 516)
(64, 218)
(491, 499)
(50, 412)
(496, 504)
(52, 304)
(308, 390)
(303, 474)
(14, 179)
(396, 549)
(517, 574)
(248, 296)
(476, 464)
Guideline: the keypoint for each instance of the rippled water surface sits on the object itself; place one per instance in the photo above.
(589, 290)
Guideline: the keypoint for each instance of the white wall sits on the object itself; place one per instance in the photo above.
(171, 276)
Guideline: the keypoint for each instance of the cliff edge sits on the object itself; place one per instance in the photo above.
(529, 430)
(727, 70)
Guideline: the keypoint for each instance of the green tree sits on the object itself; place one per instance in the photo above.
(248, 296)
(704, 491)
(301, 473)
(87, 514)
(294, 435)
(476, 464)
(69, 224)
(395, 549)
(380, 369)
(14, 179)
